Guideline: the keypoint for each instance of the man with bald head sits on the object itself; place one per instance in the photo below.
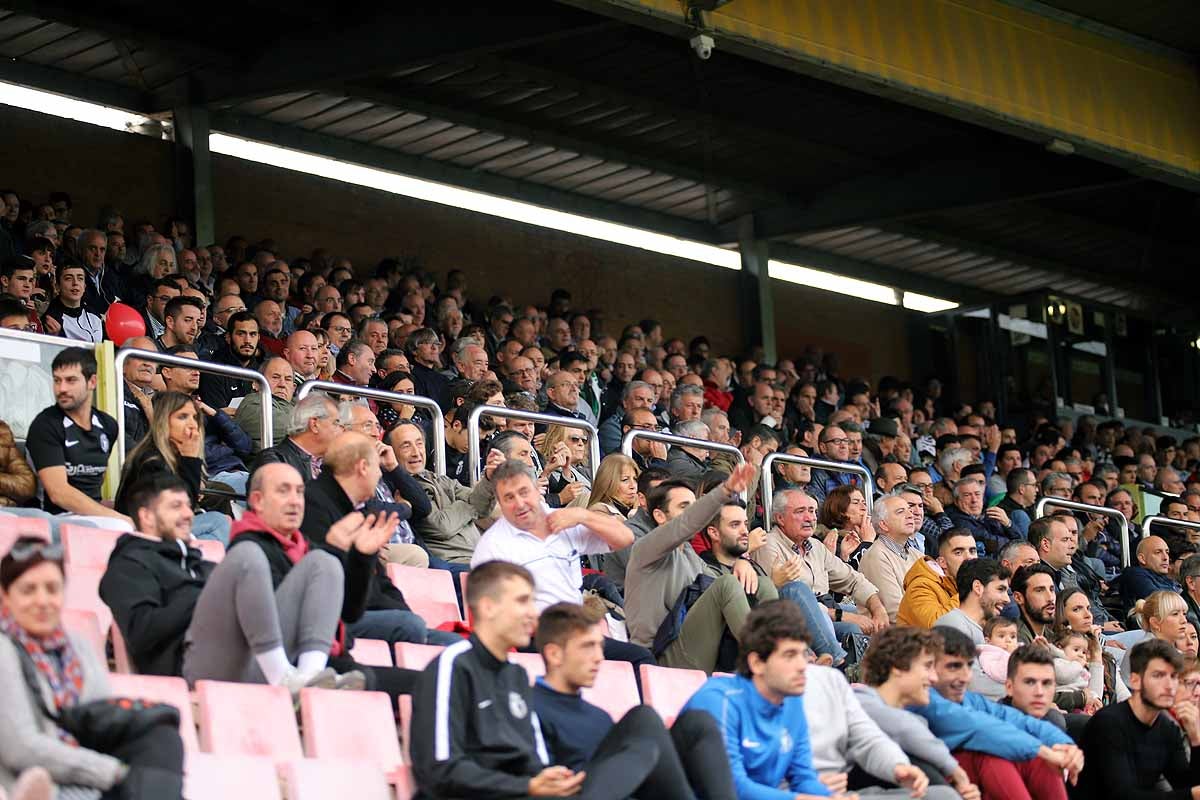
(270, 324)
(300, 350)
(1150, 574)
(279, 375)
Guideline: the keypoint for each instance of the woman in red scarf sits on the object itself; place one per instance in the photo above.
(68, 673)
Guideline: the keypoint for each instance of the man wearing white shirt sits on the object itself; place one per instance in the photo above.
(550, 544)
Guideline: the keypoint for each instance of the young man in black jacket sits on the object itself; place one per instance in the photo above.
(272, 610)
(154, 578)
(354, 465)
(474, 733)
(636, 756)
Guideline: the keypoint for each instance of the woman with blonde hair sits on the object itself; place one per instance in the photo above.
(615, 489)
(174, 444)
(564, 452)
(1163, 615)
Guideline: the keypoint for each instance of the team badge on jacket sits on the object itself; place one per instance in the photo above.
(516, 705)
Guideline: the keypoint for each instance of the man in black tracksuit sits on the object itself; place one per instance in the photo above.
(154, 579)
(474, 731)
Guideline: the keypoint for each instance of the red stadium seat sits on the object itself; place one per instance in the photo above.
(372, 652)
(13, 528)
(120, 652)
(86, 624)
(532, 662)
(351, 725)
(309, 779)
(668, 690)
(416, 656)
(88, 547)
(428, 592)
(615, 689)
(83, 593)
(247, 719)
(160, 689)
(211, 549)
(209, 777)
(404, 706)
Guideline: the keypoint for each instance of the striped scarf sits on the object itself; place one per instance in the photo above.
(55, 659)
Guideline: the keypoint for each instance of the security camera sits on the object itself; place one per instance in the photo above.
(703, 44)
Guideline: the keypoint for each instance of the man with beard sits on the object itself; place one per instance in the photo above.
(70, 442)
(982, 592)
(1033, 592)
(1131, 745)
(241, 350)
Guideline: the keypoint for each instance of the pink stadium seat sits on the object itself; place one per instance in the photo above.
(212, 550)
(428, 592)
(13, 528)
(88, 547)
(416, 656)
(160, 689)
(667, 690)
(310, 779)
(246, 719)
(350, 725)
(372, 652)
(404, 706)
(86, 625)
(209, 777)
(532, 662)
(615, 689)
(83, 593)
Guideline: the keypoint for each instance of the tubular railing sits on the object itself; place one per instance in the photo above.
(473, 438)
(680, 441)
(768, 478)
(268, 435)
(1178, 523)
(439, 428)
(1057, 502)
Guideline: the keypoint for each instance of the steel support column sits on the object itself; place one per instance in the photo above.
(1110, 360)
(193, 171)
(758, 306)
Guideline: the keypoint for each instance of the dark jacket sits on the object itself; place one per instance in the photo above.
(477, 714)
(226, 446)
(432, 384)
(573, 728)
(286, 452)
(150, 464)
(990, 534)
(97, 299)
(683, 464)
(325, 502)
(152, 588)
(219, 390)
(136, 424)
(1137, 583)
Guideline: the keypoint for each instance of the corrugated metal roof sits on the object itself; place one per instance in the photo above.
(962, 266)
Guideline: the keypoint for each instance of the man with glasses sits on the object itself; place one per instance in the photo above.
(339, 328)
(162, 291)
(212, 339)
(834, 445)
(637, 395)
(1057, 484)
(562, 397)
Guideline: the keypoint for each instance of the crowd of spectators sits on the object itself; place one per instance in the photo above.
(933, 631)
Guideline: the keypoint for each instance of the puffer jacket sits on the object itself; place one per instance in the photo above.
(17, 482)
(459, 516)
(928, 594)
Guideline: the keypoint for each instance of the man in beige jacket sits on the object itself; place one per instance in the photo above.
(893, 553)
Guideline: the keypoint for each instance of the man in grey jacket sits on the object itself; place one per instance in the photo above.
(459, 515)
(614, 564)
(898, 670)
(663, 564)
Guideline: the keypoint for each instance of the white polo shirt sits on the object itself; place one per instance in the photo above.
(554, 562)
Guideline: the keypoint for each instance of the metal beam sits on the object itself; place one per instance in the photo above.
(194, 190)
(947, 184)
(353, 152)
(576, 138)
(67, 83)
(889, 276)
(758, 303)
(389, 39)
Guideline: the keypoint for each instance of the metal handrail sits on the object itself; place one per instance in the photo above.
(155, 357)
(680, 441)
(439, 428)
(473, 438)
(1073, 505)
(1179, 523)
(43, 338)
(768, 478)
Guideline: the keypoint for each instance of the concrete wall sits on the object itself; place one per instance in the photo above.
(98, 166)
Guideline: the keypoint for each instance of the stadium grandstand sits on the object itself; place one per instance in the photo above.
(599, 398)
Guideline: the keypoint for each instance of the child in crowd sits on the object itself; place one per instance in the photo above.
(1072, 673)
(1000, 639)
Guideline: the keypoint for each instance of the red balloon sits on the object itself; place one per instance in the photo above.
(124, 322)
